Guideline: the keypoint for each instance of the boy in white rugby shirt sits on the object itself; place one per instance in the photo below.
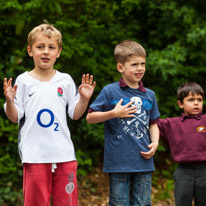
(39, 102)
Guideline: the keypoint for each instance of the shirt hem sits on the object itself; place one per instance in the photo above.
(49, 161)
(127, 171)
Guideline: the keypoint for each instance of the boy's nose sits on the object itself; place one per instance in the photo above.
(196, 101)
(46, 50)
(139, 66)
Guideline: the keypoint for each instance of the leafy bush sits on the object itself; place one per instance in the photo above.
(172, 32)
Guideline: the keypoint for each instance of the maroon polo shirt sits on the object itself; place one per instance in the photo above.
(186, 136)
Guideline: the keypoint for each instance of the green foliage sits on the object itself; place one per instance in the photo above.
(172, 32)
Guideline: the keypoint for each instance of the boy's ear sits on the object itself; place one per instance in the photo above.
(180, 104)
(29, 51)
(60, 50)
(119, 67)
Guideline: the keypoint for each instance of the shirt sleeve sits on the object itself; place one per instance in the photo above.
(164, 126)
(101, 103)
(73, 97)
(154, 115)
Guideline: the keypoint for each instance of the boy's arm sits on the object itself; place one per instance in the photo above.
(154, 134)
(10, 92)
(120, 111)
(86, 90)
(164, 128)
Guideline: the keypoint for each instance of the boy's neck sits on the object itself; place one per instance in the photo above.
(43, 75)
(131, 85)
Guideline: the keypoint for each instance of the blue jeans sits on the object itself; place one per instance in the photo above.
(130, 189)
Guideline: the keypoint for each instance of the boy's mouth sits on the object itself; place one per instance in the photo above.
(195, 110)
(45, 59)
(138, 75)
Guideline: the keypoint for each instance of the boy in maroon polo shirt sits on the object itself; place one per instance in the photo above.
(186, 136)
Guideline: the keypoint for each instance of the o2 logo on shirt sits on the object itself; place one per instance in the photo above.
(51, 122)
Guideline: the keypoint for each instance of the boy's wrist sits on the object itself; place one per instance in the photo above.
(84, 100)
(9, 102)
(114, 114)
(155, 145)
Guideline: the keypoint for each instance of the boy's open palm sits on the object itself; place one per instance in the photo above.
(9, 91)
(86, 89)
(124, 111)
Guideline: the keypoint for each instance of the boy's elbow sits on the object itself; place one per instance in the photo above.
(76, 117)
(13, 120)
(89, 119)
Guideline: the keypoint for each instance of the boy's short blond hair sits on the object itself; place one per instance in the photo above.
(127, 48)
(48, 30)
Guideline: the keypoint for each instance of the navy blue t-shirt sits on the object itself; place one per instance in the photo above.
(125, 138)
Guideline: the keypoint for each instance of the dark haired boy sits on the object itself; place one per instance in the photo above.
(186, 136)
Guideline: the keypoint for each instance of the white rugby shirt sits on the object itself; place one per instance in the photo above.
(44, 136)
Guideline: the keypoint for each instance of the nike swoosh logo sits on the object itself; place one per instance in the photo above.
(31, 94)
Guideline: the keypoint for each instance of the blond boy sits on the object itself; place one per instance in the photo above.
(39, 102)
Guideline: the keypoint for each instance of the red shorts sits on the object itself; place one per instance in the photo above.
(40, 184)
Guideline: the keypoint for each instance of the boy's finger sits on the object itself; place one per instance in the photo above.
(130, 103)
(87, 78)
(5, 83)
(91, 80)
(83, 79)
(5, 80)
(9, 82)
(15, 88)
(94, 84)
(120, 101)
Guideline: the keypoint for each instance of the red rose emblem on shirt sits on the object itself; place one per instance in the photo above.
(60, 91)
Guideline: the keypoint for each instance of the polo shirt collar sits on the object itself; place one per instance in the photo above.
(140, 88)
(186, 116)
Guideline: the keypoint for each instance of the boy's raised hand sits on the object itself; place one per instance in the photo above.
(9, 91)
(124, 111)
(86, 89)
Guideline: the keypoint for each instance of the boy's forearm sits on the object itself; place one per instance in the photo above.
(80, 108)
(97, 117)
(11, 112)
(154, 133)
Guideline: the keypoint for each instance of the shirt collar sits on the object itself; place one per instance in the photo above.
(140, 88)
(186, 116)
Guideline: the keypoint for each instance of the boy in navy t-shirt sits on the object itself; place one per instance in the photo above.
(130, 113)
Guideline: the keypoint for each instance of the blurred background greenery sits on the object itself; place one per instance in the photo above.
(173, 32)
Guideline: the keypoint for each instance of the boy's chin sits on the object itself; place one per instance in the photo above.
(193, 113)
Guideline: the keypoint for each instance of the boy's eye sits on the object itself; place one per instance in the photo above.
(190, 100)
(136, 64)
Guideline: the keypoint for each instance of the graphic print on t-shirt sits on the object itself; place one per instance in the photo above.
(138, 125)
